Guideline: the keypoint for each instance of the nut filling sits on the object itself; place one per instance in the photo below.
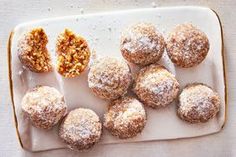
(32, 51)
(73, 54)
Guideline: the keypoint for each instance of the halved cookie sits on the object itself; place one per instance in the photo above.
(32, 51)
(72, 54)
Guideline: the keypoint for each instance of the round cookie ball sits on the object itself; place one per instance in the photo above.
(142, 44)
(80, 129)
(109, 78)
(187, 46)
(44, 106)
(125, 117)
(198, 103)
(32, 51)
(72, 54)
(155, 86)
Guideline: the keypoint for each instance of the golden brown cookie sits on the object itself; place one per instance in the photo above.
(142, 44)
(198, 103)
(44, 106)
(81, 129)
(109, 78)
(125, 117)
(155, 86)
(187, 46)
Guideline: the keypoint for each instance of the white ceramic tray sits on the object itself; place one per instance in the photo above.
(102, 32)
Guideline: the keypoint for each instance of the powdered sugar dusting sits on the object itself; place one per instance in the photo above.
(44, 106)
(155, 86)
(142, 44)
(166, 85)
(125, 118)
(109, 77)
(81, 129)
(187, 46)
(198, 103)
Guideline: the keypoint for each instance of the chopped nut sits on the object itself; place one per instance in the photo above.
(73, 54)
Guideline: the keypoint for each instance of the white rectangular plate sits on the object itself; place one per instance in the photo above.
(102, 32)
